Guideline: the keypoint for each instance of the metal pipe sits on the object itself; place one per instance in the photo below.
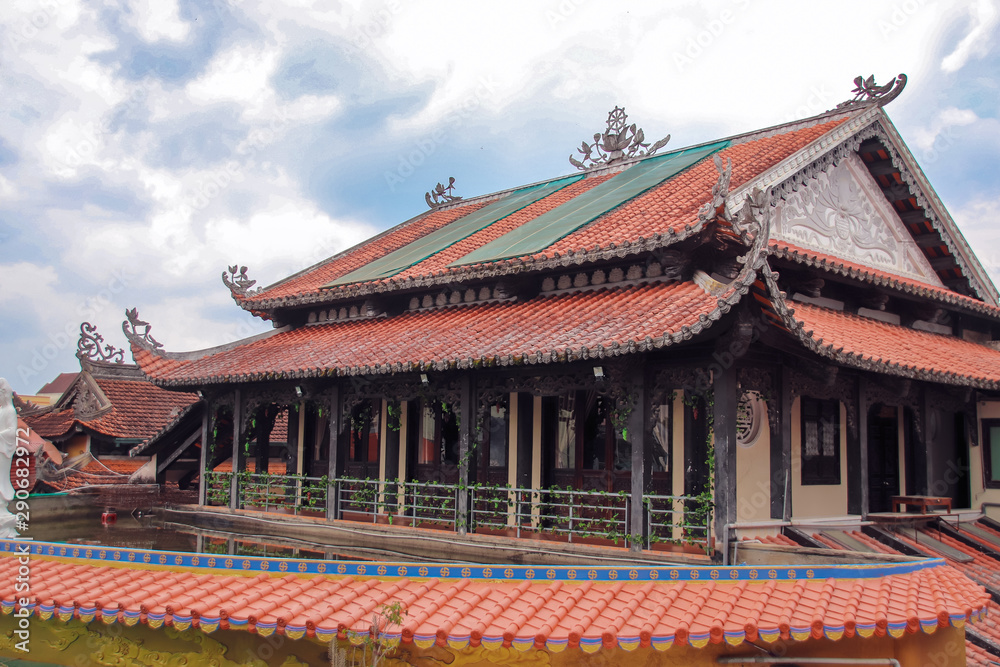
(788, 660)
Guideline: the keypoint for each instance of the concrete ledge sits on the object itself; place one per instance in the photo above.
(425, 544)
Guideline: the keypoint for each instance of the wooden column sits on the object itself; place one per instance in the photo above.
(203, 460)
(724, 429)
(640, 461)
(779, 463)
(239, 459)
(857, 456)
(333, 456)
(466, 416)
(784, 481)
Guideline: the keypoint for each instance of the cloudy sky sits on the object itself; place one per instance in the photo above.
(147, 144)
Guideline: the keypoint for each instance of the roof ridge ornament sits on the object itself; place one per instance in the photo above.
(91, 346)
(619, 142)
(867, 91)
(239, 283)
(131, 328)
(747, 223)
(441, 194)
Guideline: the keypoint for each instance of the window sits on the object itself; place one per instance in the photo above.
(991, 453)
(820, 442)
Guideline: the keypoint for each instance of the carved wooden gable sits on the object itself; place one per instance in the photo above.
(841, 211)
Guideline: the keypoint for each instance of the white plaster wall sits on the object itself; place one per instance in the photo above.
(753, 478)
(817, 500)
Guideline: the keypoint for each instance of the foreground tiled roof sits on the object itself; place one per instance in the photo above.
(862, 342)
(669, 210)
(983, 569)
(493, 606)
(571, 325)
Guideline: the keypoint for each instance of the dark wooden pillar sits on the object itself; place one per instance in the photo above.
(785, 428)
(781, 445)
(640, 460)
(204, 462)
(239, 458)
(857, 456)
(466, 416)
(333, 463)
(724, 413)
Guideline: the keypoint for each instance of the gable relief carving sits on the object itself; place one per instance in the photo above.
(842, 212)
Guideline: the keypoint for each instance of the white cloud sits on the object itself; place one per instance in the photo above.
(158, 20)
(985, 16)
(941, 125)
(240, 75)
(980, 224)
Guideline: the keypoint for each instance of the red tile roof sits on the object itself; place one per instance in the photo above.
(877, 277)
(139, 410)
(670, 210)
(584, 323)
(862, 342)
(51, 424)
(988, 625)
(341, 264)
(496, 606)
(62, 382)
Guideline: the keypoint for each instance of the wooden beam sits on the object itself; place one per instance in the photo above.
(929, 240)
(897, 192)
(943, 263)
(177, 452)
(913, 217)
(203, 464)
(881, 168)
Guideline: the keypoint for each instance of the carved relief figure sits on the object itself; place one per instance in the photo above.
(841, 212)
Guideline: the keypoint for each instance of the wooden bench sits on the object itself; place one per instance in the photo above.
(920, 503)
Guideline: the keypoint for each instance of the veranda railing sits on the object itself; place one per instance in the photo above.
(570, 513)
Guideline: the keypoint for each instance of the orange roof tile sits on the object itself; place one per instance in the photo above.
(139, 410)
(878, 277)
(494, 606)
(582, 323)
(863, 342)
(669, 209)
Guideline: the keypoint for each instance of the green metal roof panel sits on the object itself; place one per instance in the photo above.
(419, 250)
(549, 227)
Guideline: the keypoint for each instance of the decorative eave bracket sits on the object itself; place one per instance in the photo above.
(137, 331)
(619, 142)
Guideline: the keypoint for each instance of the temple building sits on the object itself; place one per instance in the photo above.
(779, 325)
